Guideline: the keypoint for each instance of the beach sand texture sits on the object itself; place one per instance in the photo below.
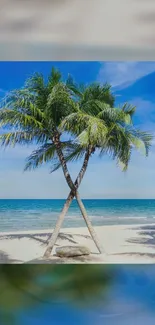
(122, 244)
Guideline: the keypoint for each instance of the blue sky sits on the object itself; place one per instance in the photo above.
(133, 82)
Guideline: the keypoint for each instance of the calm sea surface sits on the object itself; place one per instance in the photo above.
(42, 214)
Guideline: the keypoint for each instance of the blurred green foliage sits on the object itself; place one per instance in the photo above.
(24, 286)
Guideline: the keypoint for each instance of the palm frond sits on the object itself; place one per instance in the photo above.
(60, 104)
(76, 90)
(13, 138)
(121, 140)
(37, 87)
(141, 140)
(17, 119)
(97, 92)
(54, 78)
(74, 153)
(24, 102)
(87, 128)
(22, 138)
(42, 155)
(118, 148)
(35, 83)
(47, 153)
(128, 109)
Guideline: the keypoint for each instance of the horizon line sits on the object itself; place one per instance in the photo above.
(75, 199)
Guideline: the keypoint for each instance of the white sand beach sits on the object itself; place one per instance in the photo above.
(122, 244)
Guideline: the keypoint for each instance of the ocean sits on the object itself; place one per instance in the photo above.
(17, 215)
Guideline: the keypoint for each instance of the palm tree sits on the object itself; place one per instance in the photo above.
(97, 126)
(34, 114)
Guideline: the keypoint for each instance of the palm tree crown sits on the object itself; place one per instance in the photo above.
(33, 114)
(104, 128)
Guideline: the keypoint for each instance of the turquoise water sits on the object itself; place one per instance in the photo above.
(42, 214)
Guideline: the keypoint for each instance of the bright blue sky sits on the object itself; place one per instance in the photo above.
(131, 81)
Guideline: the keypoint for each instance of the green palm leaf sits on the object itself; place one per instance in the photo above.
(42, 155)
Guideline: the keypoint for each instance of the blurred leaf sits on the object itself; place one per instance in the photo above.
(25, 286)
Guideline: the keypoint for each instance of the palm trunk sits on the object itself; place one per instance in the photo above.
(67, 204)
(88, 223)
(74, 187)
(58, 225)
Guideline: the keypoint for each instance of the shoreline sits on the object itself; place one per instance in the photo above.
(68, 229)
(122, 243)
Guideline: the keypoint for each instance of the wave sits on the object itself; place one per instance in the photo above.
(97, 217)
(45, 220)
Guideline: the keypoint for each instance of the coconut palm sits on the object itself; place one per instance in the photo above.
(101, 128)
(33, 115)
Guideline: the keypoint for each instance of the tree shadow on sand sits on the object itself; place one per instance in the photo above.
(39, 237)
(6, 259)
(149, 255)
(147, 236)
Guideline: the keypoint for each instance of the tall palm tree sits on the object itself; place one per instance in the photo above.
(97, 126)
(33, 115)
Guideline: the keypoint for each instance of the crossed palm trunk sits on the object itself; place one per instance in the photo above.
(73, 193)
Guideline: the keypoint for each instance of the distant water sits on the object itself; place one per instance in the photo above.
(42, 214)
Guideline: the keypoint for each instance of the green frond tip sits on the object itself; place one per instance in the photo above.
(44, 154)
(72, 153)
(18, 119)
(35, 83)
(96, 91)
(122, 165)
(14, 138)
(47, 154)
(75, 89)
(128, 109)
(141, 141)
(54, 78)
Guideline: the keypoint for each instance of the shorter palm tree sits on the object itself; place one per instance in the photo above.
(98, 127)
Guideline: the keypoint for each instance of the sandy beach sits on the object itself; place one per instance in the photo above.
(122, 244)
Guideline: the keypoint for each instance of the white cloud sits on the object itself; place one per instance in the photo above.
(145, 112)
(122, 74)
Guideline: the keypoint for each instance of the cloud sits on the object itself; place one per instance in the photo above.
(122, 74)
(144, 111)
